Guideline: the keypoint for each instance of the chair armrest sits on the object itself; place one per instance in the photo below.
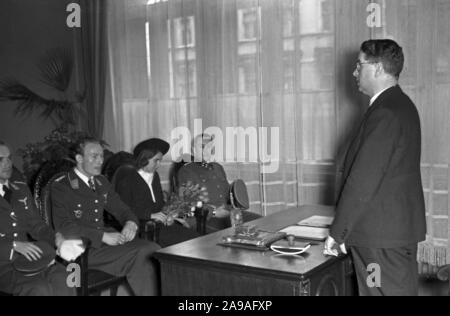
(149, 230)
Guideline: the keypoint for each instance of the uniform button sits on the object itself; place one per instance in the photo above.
(16, 235)
(96, 201)
(79, 205)
(221, 195)
(96, 211)
(13, 214)
(96, 220)
(14, 224)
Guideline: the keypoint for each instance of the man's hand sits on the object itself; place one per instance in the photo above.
(329, 248)
(129, 231)
(29, 250)
(113, 239)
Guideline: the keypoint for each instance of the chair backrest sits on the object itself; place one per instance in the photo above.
(42, 186)
(116, 161)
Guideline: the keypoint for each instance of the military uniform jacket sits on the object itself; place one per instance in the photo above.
(381, 203)
(19, 219)
(78, 210)
(209, 175)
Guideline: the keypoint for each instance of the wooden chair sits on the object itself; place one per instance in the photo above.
(92, 282)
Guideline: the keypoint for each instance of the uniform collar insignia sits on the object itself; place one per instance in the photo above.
(24, 202)
(74, 183)
(13, 186)
(99, 183)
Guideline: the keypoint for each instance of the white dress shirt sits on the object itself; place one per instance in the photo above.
(148, 178)
(83, 177)
(2, 190)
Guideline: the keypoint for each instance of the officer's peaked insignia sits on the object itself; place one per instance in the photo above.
(78, 213)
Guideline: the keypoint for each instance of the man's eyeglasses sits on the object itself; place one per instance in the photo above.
(359, 63)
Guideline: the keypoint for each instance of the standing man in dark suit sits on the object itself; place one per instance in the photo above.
(380, 214)
(79, 199)
(19, 218)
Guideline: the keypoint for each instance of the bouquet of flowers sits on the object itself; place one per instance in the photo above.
(182, 204)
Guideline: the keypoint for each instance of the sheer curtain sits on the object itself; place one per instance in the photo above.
(278, 63)
(423, 29)
(246, 64)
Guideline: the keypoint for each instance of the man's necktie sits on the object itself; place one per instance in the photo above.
(8, 193)
(91, 184)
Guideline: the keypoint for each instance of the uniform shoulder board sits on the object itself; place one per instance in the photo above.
(60, 178)
(19, 182)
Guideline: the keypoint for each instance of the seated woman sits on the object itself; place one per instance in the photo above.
(212, 176)
(140, 188)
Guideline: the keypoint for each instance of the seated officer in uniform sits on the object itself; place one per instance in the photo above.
(79, 199)
(18, 217)
(212, 176)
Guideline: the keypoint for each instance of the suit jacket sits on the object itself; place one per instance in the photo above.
(135, 192)
(19, 219)
(381, 203)
(78, 211)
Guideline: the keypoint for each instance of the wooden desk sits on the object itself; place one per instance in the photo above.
(200, 267)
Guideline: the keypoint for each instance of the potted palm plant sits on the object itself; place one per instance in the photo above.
(55, 70)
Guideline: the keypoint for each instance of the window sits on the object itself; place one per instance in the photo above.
(182, 57)
(248, 28)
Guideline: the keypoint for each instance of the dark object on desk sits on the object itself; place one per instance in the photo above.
(239, 195)
(255, 238)
(30, 268)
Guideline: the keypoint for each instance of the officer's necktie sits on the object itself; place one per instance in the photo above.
(91, 184)
(8, 193)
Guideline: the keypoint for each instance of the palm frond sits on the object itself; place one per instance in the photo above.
(27, 100)
(56, 68)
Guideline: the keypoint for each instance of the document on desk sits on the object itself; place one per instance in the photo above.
(306, 232)
(317, 221)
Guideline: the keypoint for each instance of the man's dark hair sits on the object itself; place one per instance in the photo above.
(387, 52)
(80, 145)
